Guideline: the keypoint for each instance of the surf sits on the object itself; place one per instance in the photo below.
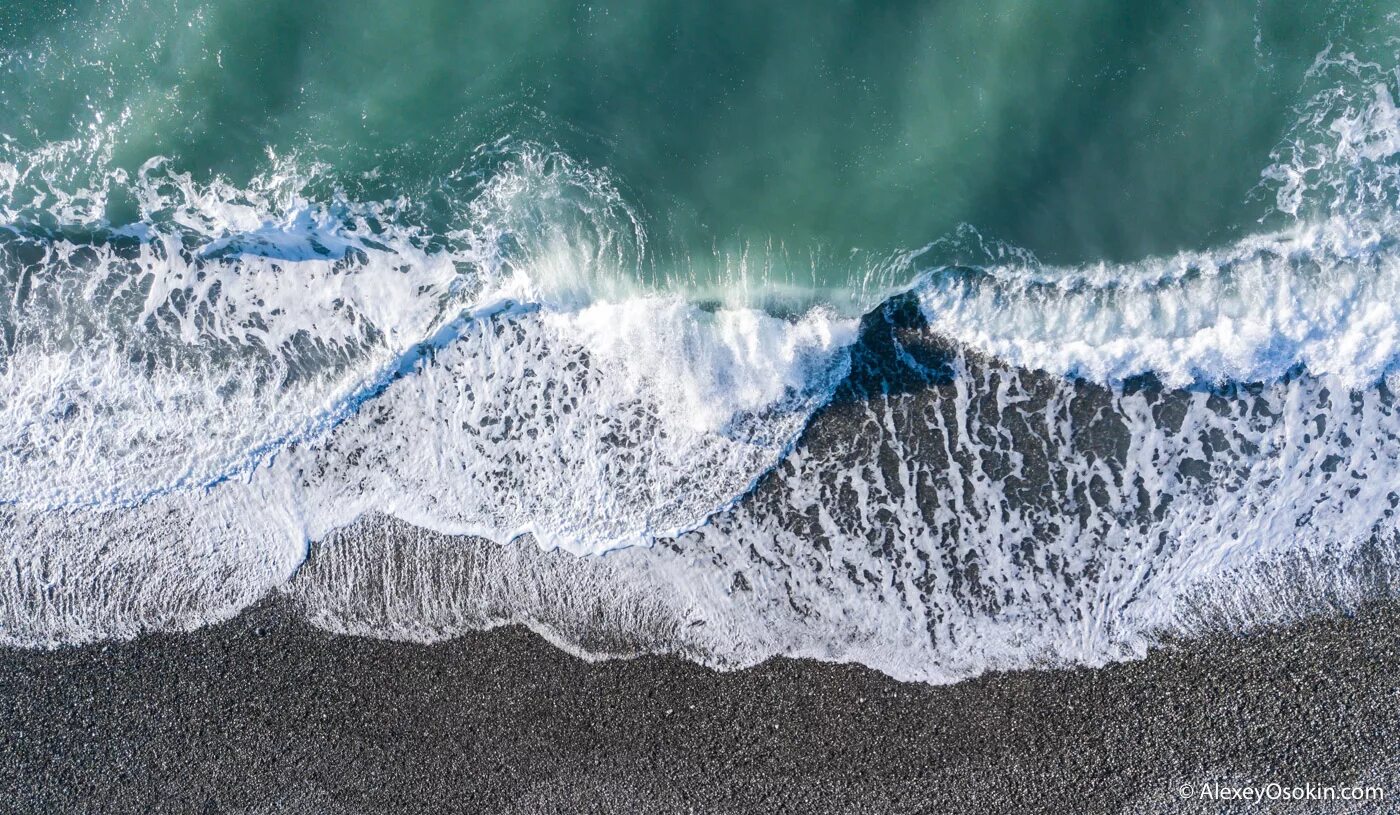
(502, 387)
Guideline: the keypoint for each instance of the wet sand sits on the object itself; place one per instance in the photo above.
(266, 714)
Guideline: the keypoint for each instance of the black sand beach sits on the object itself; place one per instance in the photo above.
(268, 715)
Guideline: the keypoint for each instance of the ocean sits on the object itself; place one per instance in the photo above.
(939, 337)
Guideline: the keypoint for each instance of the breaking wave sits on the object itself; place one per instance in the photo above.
(425, 414)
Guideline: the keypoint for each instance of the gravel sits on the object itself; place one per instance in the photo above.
(266, 714)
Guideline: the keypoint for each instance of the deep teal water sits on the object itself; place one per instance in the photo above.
(1078, 129)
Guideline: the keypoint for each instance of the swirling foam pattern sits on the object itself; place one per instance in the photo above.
(421, 414)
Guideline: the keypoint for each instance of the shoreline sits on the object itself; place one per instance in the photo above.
(267, 714)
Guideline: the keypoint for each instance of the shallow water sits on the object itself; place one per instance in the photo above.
(938, 337)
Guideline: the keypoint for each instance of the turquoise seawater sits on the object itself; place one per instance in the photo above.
(801, 133)
(941, 337)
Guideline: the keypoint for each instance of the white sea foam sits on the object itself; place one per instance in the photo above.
(176, 562)
(1320, 291)
(590, 429)
(1247, 313)
(999, 520)
(233, 321)
(188, 402)
(330, 360)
